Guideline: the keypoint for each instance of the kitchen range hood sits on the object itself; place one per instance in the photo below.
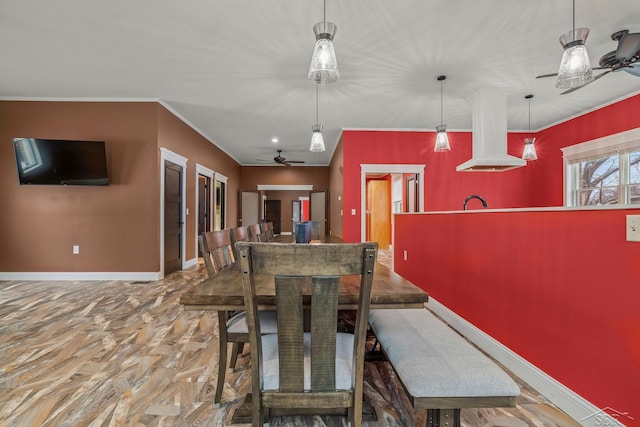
(489, 140)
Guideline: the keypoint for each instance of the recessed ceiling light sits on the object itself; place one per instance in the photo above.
(274, 140)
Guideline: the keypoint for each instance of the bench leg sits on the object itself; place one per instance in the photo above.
(443, 417)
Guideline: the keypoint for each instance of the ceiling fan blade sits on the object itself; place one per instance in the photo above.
(546, 75)
(573, 89)
(628, 46)
(295, 161)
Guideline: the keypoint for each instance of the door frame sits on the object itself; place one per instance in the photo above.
(386, 168)
(167, 155)
(204, 171)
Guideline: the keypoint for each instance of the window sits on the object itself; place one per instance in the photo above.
(605, 171)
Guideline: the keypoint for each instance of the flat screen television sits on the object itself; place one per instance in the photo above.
(61, 162)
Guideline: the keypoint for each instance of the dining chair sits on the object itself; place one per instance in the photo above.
(256, 234)
(270, 234)
(319, 371)
(217, 248)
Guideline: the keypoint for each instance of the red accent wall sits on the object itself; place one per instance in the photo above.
(559, 288)
(538, 184)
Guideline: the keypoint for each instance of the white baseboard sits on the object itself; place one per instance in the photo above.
(564, 398)
(77, 276)
(190, 263)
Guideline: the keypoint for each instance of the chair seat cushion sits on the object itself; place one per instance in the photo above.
(432, 360)
(238, 323)
(344, 361)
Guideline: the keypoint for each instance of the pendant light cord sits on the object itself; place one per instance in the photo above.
(317, 103)
(529, 117)
(574, 18)
(441, 103)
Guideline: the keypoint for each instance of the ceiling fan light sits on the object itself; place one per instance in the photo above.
(317, 142)
(529, 152)
(575, 66)
(442, 140)
(324, 64)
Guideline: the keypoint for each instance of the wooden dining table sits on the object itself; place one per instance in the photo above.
(223, 291)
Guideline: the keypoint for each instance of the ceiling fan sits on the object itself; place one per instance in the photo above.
(283, 161)
(623, 58)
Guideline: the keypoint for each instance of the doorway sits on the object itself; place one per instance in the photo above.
(204, 204)
(249, 210)
(379, 211)
(318, 211)
(273, 214)
(173, 220)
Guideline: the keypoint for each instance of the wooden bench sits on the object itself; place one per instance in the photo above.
(440, 371)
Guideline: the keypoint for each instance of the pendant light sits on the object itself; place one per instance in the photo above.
(442, 140)
(575, 66)
(324, 65)
(317, 142)
(529, 152)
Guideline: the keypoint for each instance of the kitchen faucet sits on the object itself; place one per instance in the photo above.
(474, 196)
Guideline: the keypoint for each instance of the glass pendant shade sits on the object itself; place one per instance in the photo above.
(324, 65)
(529, 152)
(317, 142)
(575, 66)
(442, 140)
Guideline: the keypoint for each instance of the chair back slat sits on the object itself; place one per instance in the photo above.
(324, 313)
(290, 337)
(270, 233)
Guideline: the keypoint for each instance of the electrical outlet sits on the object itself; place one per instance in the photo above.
(353, 211)
(633, 228)
(76, 249)
(405, 255)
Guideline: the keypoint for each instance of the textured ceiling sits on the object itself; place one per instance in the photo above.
(236, 70)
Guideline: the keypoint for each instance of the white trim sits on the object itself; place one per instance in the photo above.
(189, 263)
(567, 400)
(170, 156)
(206, 172)
(218, 177)
(263, 187)
(76, 276)
(619, 142)
(386, 168)
(62, 99)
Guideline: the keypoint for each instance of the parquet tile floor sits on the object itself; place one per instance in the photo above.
(117, 353)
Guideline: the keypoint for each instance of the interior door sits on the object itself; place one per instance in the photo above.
(379, 212)
(249, 208)
(318, 209)
(172, 217)
(412, 193)
(273, 213)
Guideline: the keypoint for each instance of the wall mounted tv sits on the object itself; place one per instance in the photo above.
(61, 162)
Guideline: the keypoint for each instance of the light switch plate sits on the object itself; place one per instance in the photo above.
(633, 228)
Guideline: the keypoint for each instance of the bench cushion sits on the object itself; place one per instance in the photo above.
(432, 360)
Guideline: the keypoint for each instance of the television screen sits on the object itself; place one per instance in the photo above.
(59, 162)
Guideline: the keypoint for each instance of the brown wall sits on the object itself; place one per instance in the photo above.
(335, 190)
(252, 176)
(178, 137)
(117, 227)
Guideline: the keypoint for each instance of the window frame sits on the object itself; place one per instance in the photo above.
(622, 144)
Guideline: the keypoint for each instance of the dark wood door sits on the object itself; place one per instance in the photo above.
(273, 213)
(172, 217)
